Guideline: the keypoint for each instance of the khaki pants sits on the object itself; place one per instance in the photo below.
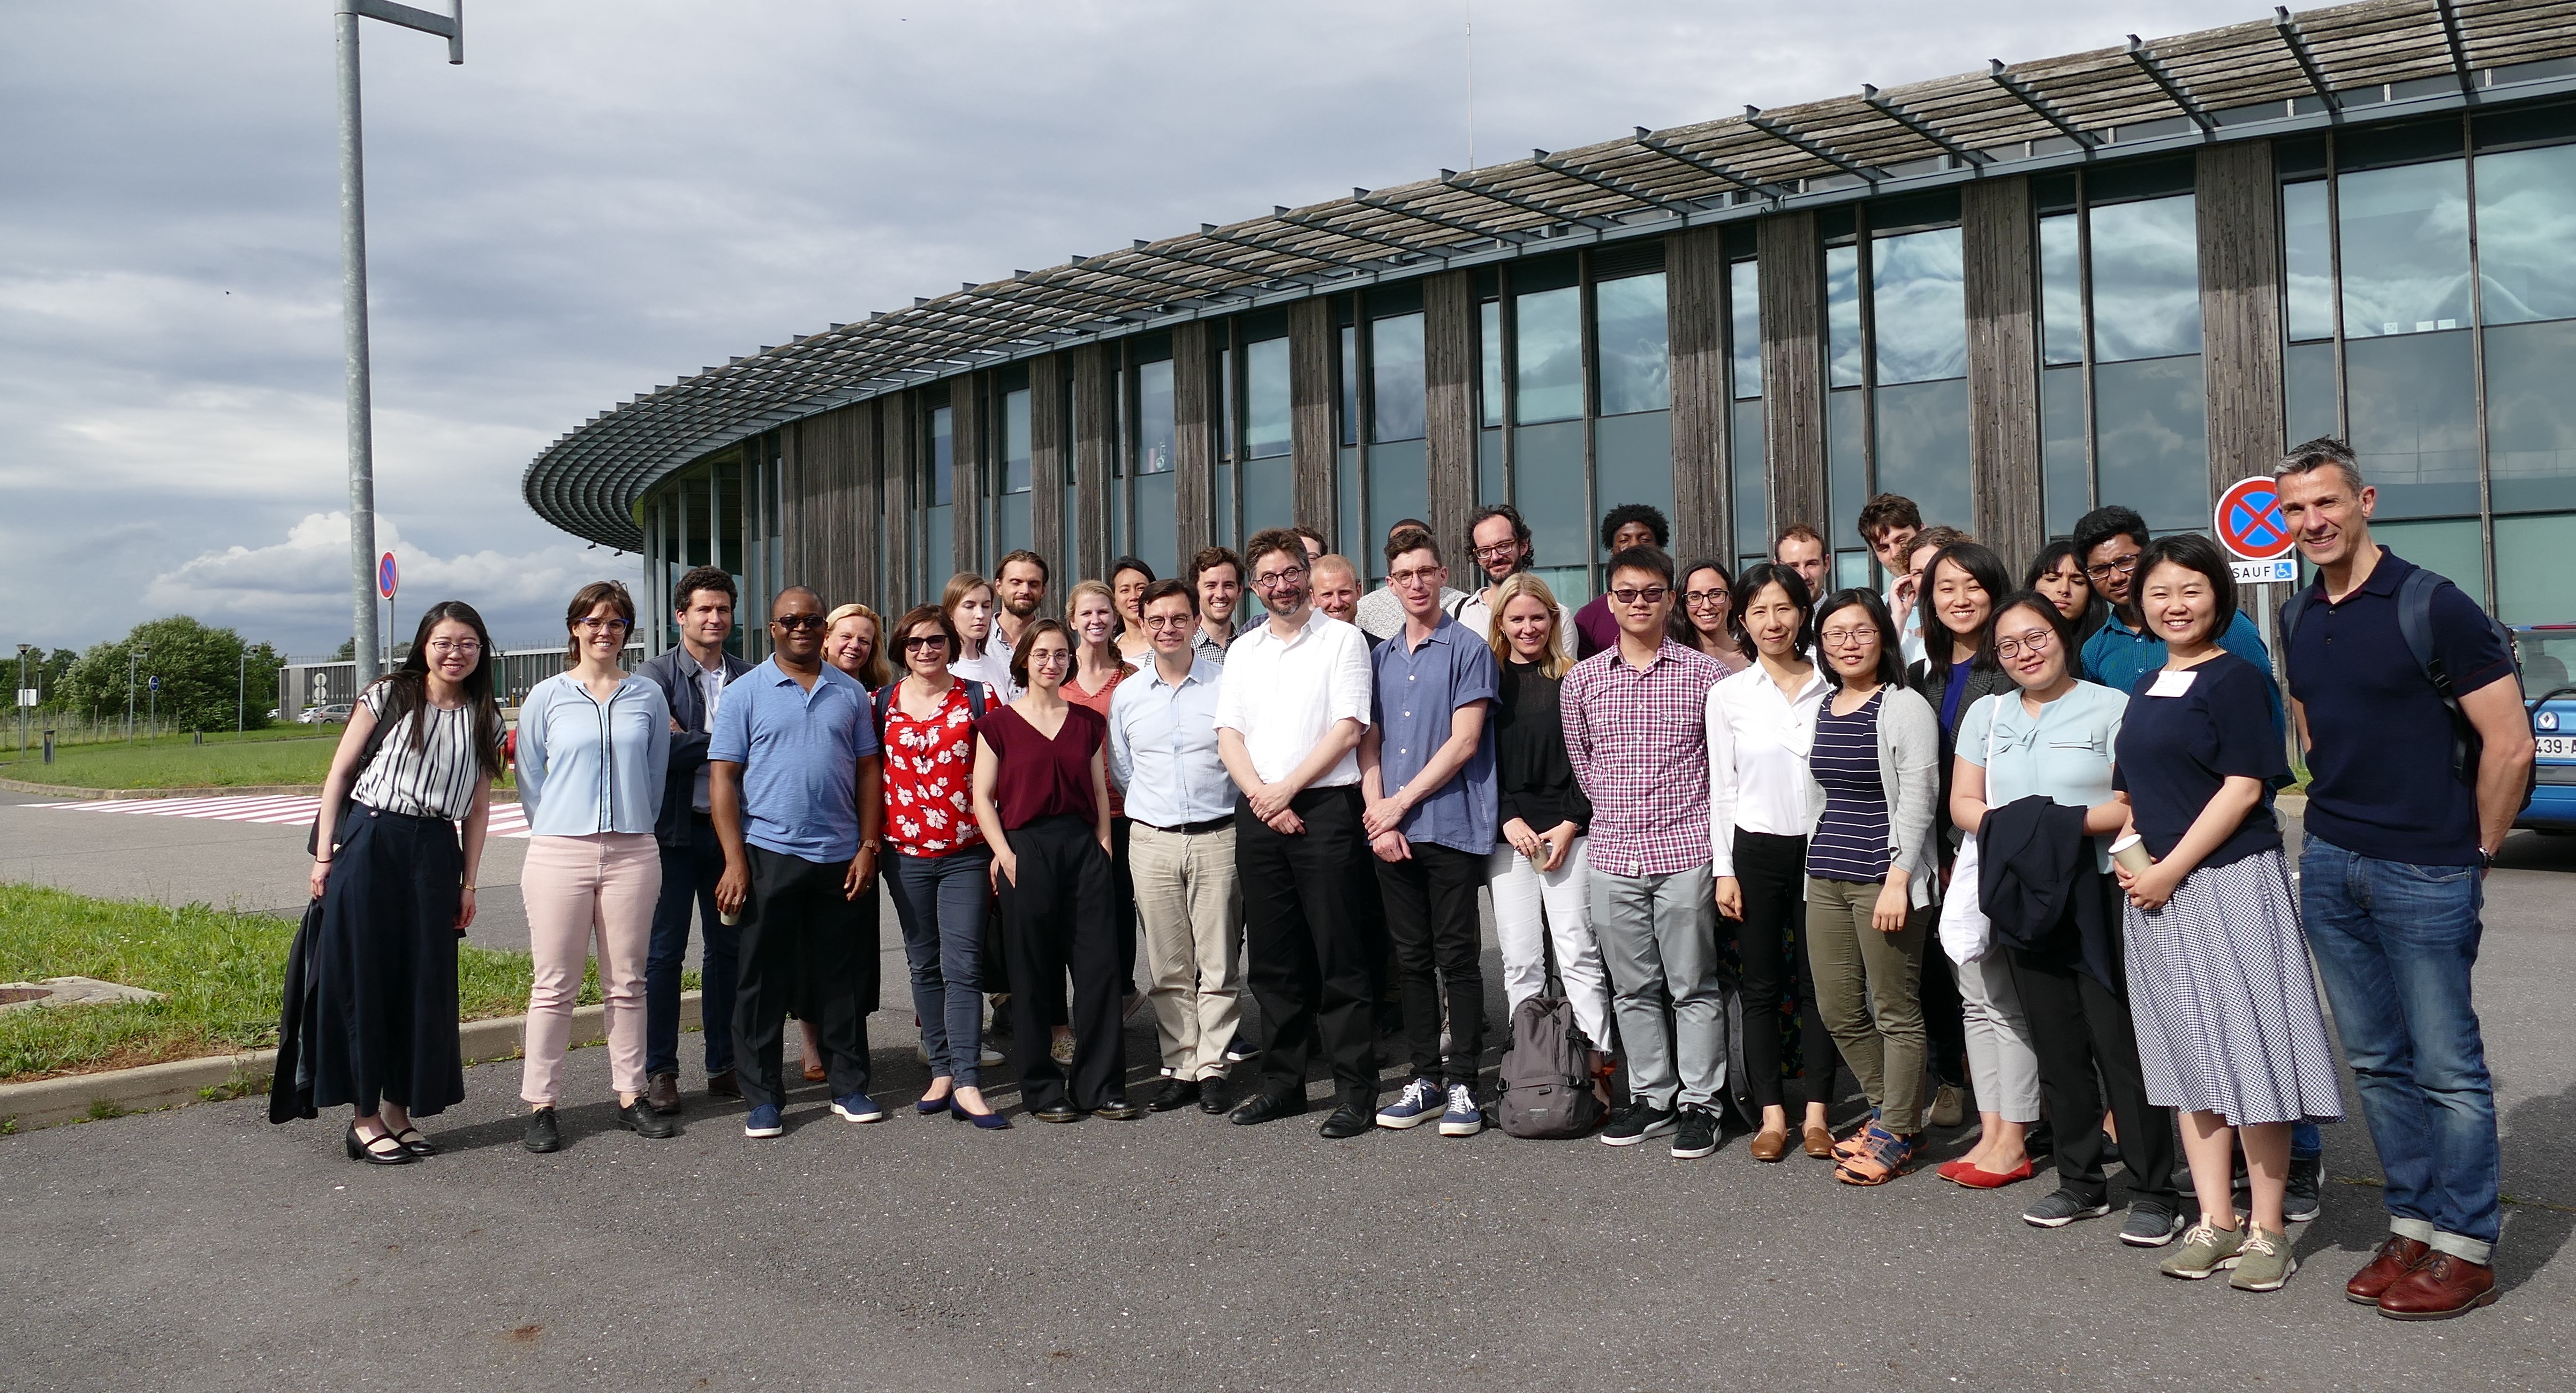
(1188, 902)
(1848, 958)
(582, 892)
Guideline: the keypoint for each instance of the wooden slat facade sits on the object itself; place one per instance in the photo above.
(1198, 413)
(1793, 370)
(1450, 366)
(1094, 438)
(2240, 310)
(1998, 238)
(1695, 321)
(966, 439)
(895, 465)
(1047, 461)
(1312, 442)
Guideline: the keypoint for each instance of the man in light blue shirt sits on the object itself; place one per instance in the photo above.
(1180, 850)
(795, 793)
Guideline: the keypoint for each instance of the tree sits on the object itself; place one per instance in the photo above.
(201, 672)
(347, 650)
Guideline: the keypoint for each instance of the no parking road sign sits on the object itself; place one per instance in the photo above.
(386, 575)
(2249, 524)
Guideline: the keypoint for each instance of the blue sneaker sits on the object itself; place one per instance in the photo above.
(1420, 1102)
(1464, 1118)
(857, 1107)
(762, 1121)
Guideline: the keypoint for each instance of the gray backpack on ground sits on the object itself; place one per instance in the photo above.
(1547, 1086)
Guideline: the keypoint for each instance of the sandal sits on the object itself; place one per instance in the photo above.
(1886, 1157)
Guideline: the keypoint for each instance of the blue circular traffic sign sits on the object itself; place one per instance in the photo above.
(2249, 521)
(385, 575)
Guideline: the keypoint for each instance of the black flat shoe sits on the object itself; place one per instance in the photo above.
(1267, 1107)
(1347, 1121)
(1057, 1112)
(640, 1118)
(1213, 1097)
(542, 1135)
(413, 1142)
(1118, 1110)
(393, 1154)
(1177, 1093)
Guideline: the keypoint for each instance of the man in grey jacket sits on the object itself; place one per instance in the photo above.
(692, 678)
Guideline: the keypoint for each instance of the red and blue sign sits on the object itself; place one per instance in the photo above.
(2249, 520)
(386, 575)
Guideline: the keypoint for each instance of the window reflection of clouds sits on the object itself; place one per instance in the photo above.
(1490, 346)
(1752, 493)
(2307, 245)
(2151, 439)
(1265, 398)
(1547, 485)
(2061, 290)
(1395, 378)
(2526, 222)
(1015, 442)
(2531, 414)
(1154, 429)
(2146, 280)
(1550, 386)
(2061, 429)
(1842, 315)
(1919, 307)
(1846, 477)
(1923, 447)
(1634, 344)
(1744, 287)
(2413, 402)
(2405, 249)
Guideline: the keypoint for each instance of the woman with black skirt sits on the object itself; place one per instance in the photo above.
(1042, 799)
(378, 1022)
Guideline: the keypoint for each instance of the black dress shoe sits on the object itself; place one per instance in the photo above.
(1267, 1107)
(1118, 1110)
(1213, 1096)
(1177, 1093)
(645, 1120)
(542, 1135)
(722, 1084)
(1349, 1120)
(662, 1093)
(1057, 1112)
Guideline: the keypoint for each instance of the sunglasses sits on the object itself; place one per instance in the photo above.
(793, 622)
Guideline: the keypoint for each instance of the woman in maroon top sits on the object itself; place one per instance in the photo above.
(1042, 799)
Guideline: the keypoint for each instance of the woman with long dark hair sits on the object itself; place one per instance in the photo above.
(2058, 573)
(1704, 612)
(396, 882)
(1128, 577)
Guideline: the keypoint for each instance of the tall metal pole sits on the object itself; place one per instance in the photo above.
(353, 343)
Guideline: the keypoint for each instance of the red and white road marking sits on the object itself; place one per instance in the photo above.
(508, 819)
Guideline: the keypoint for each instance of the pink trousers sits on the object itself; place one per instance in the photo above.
(579, 890)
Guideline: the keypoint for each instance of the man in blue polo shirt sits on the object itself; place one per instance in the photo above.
(2398, 840)
(795, 795)
(2107, 543)
(1427, 777)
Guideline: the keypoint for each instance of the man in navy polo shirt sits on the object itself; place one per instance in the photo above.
(1427, 776)
(796, 800)
(2397, 843)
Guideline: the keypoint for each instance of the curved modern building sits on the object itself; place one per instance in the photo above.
(2129, 275)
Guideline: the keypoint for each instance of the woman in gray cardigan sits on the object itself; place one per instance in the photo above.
(1872, 873)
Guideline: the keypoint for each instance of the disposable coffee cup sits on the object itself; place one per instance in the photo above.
(732, 918)
(2131, 852)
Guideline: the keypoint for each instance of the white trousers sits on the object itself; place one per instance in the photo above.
(1521, 892)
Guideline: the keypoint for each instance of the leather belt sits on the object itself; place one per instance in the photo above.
(1195, 829)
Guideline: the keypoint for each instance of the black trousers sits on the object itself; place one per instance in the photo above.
(1057, 917)
(1309, 961)
(801, 948)
(2077, 1026)
(1771, 943)
(1431, 915)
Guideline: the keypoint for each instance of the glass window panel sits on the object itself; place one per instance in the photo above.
(2307, 248)
(2531, 417)
(1846, 465)
(1265, 398)
(1121, 424)
(2448, 548)
(2414, 422)
(1397, 399)
(1070, 558)
(943, 456)
(1350, 413)
(2146, 280)
(1923, 448)
(1633, 340)
(1744, 307)
(1399, 487)
(1221, 505)
(1550, 385)
(938, 545)
(2063, 492)
(1155, 428)
(2535, 569)
(1016, 468)
(1632, 460)
(1548, 481)
(1489, 342)
(2526, 210)
(728, 516)
(2310, 372)
(1752, 492)
(1269, 495)
(1353, 541)
(1013, 524)
(2061, 289)
(1842, 316)
(1492, 484)
(1227, 442)
(1853, 571)
(2151, 440)
(1157, 533)
(1919, 309)
(2405, 250)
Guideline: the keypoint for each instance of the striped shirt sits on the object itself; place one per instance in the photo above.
(1638, 741)
(1852, 840)
(436, 780)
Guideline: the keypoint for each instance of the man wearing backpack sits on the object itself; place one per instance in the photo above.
(2419, 752)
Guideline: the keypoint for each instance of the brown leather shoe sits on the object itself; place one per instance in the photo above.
(722, 1084)
(1819, 1143)
(2444, 1286)
(662, 1093)
(1770, 1144)
(2395, 1258)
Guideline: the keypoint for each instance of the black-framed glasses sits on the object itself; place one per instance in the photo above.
(1641, 595)
(2034, 643)
(1423, 574)
(793, 622)
(1847, 638)
(1696, 598)
(1500, 551)
(1171, 621)
(2124, 566)
(1272, 580)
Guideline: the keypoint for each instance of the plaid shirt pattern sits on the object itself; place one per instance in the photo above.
(1638, 741)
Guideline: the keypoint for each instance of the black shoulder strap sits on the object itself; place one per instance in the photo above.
(2415, 625)
(2293, 610)
(885, 704)
(975, 699)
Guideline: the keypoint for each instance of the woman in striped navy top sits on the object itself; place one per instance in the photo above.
(1875, 761)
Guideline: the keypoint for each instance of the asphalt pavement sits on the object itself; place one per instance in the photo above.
(205, 1249)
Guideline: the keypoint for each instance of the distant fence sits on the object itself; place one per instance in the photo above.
(304, 685)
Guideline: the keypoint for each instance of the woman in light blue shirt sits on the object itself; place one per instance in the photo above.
(594, 746)
(2053, 738)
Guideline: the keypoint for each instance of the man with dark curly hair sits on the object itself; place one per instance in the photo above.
(1628, 525)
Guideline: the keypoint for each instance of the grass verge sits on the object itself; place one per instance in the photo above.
(171, 762)
(222, 975)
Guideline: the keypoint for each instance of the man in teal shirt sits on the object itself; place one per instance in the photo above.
(2108, 540)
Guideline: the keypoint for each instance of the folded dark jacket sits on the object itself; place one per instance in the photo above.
(2038, 884)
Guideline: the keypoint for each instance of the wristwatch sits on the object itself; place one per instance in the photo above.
(2486, 859)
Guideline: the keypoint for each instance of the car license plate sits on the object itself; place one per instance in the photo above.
(2556, 746)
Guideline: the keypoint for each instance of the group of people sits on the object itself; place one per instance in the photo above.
(1964, 838)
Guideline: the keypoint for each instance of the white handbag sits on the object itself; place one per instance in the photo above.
(1966, 933)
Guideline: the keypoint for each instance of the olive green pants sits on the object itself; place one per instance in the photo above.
(1867, 990)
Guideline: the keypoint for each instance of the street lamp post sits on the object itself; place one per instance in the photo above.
(133, 659)
(353, 300)
(20, 698)
(241, 693)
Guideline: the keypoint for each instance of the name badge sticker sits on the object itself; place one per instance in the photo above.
(2172, 683)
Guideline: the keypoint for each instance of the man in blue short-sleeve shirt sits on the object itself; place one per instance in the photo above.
(795, 795)
(2389, 879)
(1427, 777)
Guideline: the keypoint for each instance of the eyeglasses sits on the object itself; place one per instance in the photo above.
(793, 622)
(2124, 566)
(444, 646)
(1697, 598)
(1171, 621)
(1423, 575)
(2034, 643)
(1847, 638)
(925, 641)
(1652, 594)
(594, 626)
(1500, 551)
(1272, 580)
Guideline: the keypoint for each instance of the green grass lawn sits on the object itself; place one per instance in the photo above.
(224, 761)
(223, 974)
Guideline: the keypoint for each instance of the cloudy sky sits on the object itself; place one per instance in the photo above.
(608, 195)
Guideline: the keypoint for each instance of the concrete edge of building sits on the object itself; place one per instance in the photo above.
(152, 1087)
(499, 795)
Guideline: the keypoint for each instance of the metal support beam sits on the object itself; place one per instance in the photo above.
(1313, 223)
(1230, 268)
(1788, 135)
(2029, 96)
(1524, 202)
(1646, 140)
(1648, 197)
(2450, 12)
(1237, 239)
(2173, 88)
(1893, 111)
(1366, 199)
(2297, 42)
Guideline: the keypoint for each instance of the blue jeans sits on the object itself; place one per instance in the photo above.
(940, 902)
(2395, 944)
(689, 882)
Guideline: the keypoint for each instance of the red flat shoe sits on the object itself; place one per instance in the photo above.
(1975, 1177)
